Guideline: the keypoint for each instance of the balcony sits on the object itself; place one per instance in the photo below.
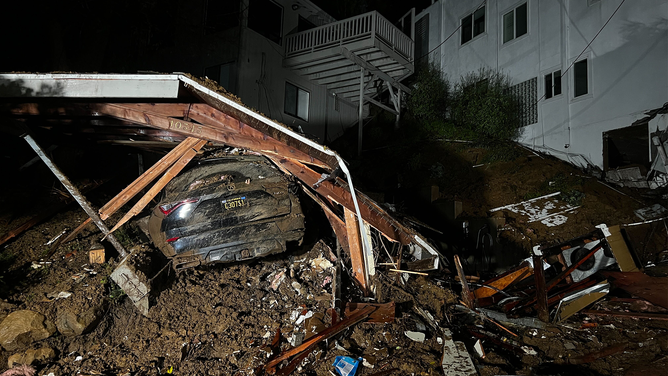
(330, 55)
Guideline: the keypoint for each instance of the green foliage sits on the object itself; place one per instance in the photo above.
(479, 108)
(115, 291)
(481, 103)
(429, 98)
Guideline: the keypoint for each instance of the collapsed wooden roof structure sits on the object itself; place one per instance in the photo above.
(177, 108)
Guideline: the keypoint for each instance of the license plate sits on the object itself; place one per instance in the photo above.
(234, 203)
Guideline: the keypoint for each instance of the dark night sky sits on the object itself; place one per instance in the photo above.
(110, 35)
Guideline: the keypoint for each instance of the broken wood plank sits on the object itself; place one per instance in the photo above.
(147, 177)
(160, 184)
(263, 124)
(135, 187)
(503, 281)
(652, 289)
(338, 225)
(467, 296)
(383, 314)
(555, 281)
(333, 330)
(211, 128)
(375, 216)
(407, 271)
(355, 250)
(456, 360)
(541, 292)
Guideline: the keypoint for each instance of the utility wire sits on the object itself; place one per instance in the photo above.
(583, 51)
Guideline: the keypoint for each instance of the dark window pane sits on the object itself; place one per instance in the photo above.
(422, 38)
(508, 27)
(548, 86)
(521, 20)
(580, 74)
(479, 22)
(266, 17)
(467, 29)
(557, 82)
(221, 73)
(290, 107)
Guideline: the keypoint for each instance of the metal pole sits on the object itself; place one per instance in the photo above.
(361, 104)
(80, 199)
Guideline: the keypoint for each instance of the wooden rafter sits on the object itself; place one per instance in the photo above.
(376, 217)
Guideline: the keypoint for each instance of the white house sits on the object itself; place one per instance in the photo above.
(587, 70)
(290, 60)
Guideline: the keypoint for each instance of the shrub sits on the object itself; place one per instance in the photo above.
(479, 108)
(481, 103)
(428, 102)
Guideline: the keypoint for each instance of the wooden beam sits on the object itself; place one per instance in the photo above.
(136, 186)
(216, 127)
(541, 293)
(370, 212)
(147, 177)
(467, 295)
(338, 225)
(384, 107)
(503, 281)
(371, 68)
(206, 114)
(160, 184)
(262, 124)
(355, 250)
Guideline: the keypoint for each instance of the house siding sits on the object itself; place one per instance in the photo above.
(627, 64)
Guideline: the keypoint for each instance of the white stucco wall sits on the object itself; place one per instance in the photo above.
(266, 92)
(628, 63)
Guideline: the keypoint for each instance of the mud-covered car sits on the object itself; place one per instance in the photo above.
(226, 209)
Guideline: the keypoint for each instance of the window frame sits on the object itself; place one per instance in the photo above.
(471, 16)
(588, 78)
(230, 78)
(513, 11)
(551, 74)
(285, 98)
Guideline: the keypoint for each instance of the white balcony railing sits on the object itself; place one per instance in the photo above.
(365, 26)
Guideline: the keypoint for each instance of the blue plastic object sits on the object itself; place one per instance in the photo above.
(345, 365)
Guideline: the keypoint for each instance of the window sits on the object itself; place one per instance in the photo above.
(422, 38)
(473, 25)
(266, 17)
(221, 15)
(552, 84)
(580, 78)
(221, 73)
(515, 23)
(296, 101)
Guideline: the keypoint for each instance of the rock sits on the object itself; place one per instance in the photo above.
(71, 324)
(28, 357)
(21, 328)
